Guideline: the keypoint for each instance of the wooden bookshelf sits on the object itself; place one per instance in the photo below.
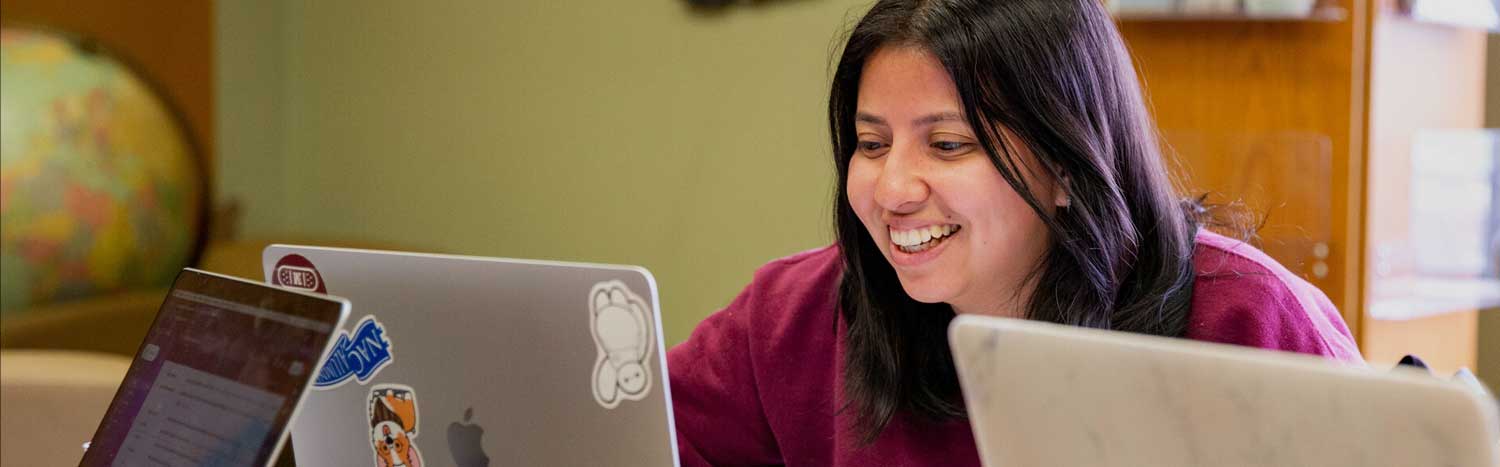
(1361, 83)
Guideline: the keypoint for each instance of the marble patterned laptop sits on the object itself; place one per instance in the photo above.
(1046, 394)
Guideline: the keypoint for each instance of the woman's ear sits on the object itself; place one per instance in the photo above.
(1060, 197)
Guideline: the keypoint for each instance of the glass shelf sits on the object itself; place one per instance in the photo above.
(1325, 15)
(1479, 14)
(1434, 227)
(1407, 298)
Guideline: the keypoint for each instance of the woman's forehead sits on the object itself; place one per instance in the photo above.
(906, 84)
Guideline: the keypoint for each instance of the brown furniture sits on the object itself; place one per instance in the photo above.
(1293, 116)
(117, 323)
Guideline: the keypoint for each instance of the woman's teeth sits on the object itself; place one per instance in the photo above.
(914, 241)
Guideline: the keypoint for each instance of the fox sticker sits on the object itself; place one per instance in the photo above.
(393, 426)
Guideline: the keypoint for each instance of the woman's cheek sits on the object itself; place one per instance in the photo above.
(861, 186)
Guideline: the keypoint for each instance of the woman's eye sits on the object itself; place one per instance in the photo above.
(951, 147)
(871, 147)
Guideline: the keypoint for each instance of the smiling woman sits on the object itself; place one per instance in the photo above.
(994, 157)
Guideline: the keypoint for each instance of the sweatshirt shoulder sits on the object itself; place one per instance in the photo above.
(817, 269)
(1243, 296)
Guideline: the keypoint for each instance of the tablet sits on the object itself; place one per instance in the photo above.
(220, 375)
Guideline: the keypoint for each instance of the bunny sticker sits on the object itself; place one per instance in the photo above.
(622, 332)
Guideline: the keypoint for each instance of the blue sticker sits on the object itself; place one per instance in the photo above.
(356, 357)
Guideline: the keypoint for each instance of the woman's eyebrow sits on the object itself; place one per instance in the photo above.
(938, 117)
(868, 118)
(919, 121)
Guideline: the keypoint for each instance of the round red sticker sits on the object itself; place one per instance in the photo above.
(296, 272)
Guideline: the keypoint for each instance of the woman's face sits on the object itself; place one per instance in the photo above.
(949, 224)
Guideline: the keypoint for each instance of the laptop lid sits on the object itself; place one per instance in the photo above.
(1047, 394)
(454, 360)
(219, 376)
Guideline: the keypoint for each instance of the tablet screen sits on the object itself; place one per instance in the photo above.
(218, 376)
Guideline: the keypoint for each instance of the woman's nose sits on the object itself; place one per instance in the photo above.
(902, 187)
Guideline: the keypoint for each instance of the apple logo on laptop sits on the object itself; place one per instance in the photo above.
(464, 442)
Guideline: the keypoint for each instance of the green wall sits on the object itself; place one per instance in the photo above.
(624, 132)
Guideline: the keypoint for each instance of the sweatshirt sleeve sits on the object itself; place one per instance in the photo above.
(715, 399)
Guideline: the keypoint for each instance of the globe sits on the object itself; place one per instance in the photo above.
(100, 189)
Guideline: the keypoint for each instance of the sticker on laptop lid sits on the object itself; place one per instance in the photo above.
(297, 272)
(356, 356)
(394, 425)
(620, 322)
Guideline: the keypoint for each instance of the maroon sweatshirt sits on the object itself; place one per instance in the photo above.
(758, 383)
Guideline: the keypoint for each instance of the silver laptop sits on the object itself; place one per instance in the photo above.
(1045, 394)
(451, 360)
(219, 375)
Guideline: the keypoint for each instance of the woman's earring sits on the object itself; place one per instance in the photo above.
(1062, 199)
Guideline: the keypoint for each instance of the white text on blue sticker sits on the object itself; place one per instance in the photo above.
(356, 356)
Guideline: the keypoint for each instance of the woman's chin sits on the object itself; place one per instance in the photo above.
(926, 292)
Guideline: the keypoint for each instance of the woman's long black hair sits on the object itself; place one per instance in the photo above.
(1056, 74)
